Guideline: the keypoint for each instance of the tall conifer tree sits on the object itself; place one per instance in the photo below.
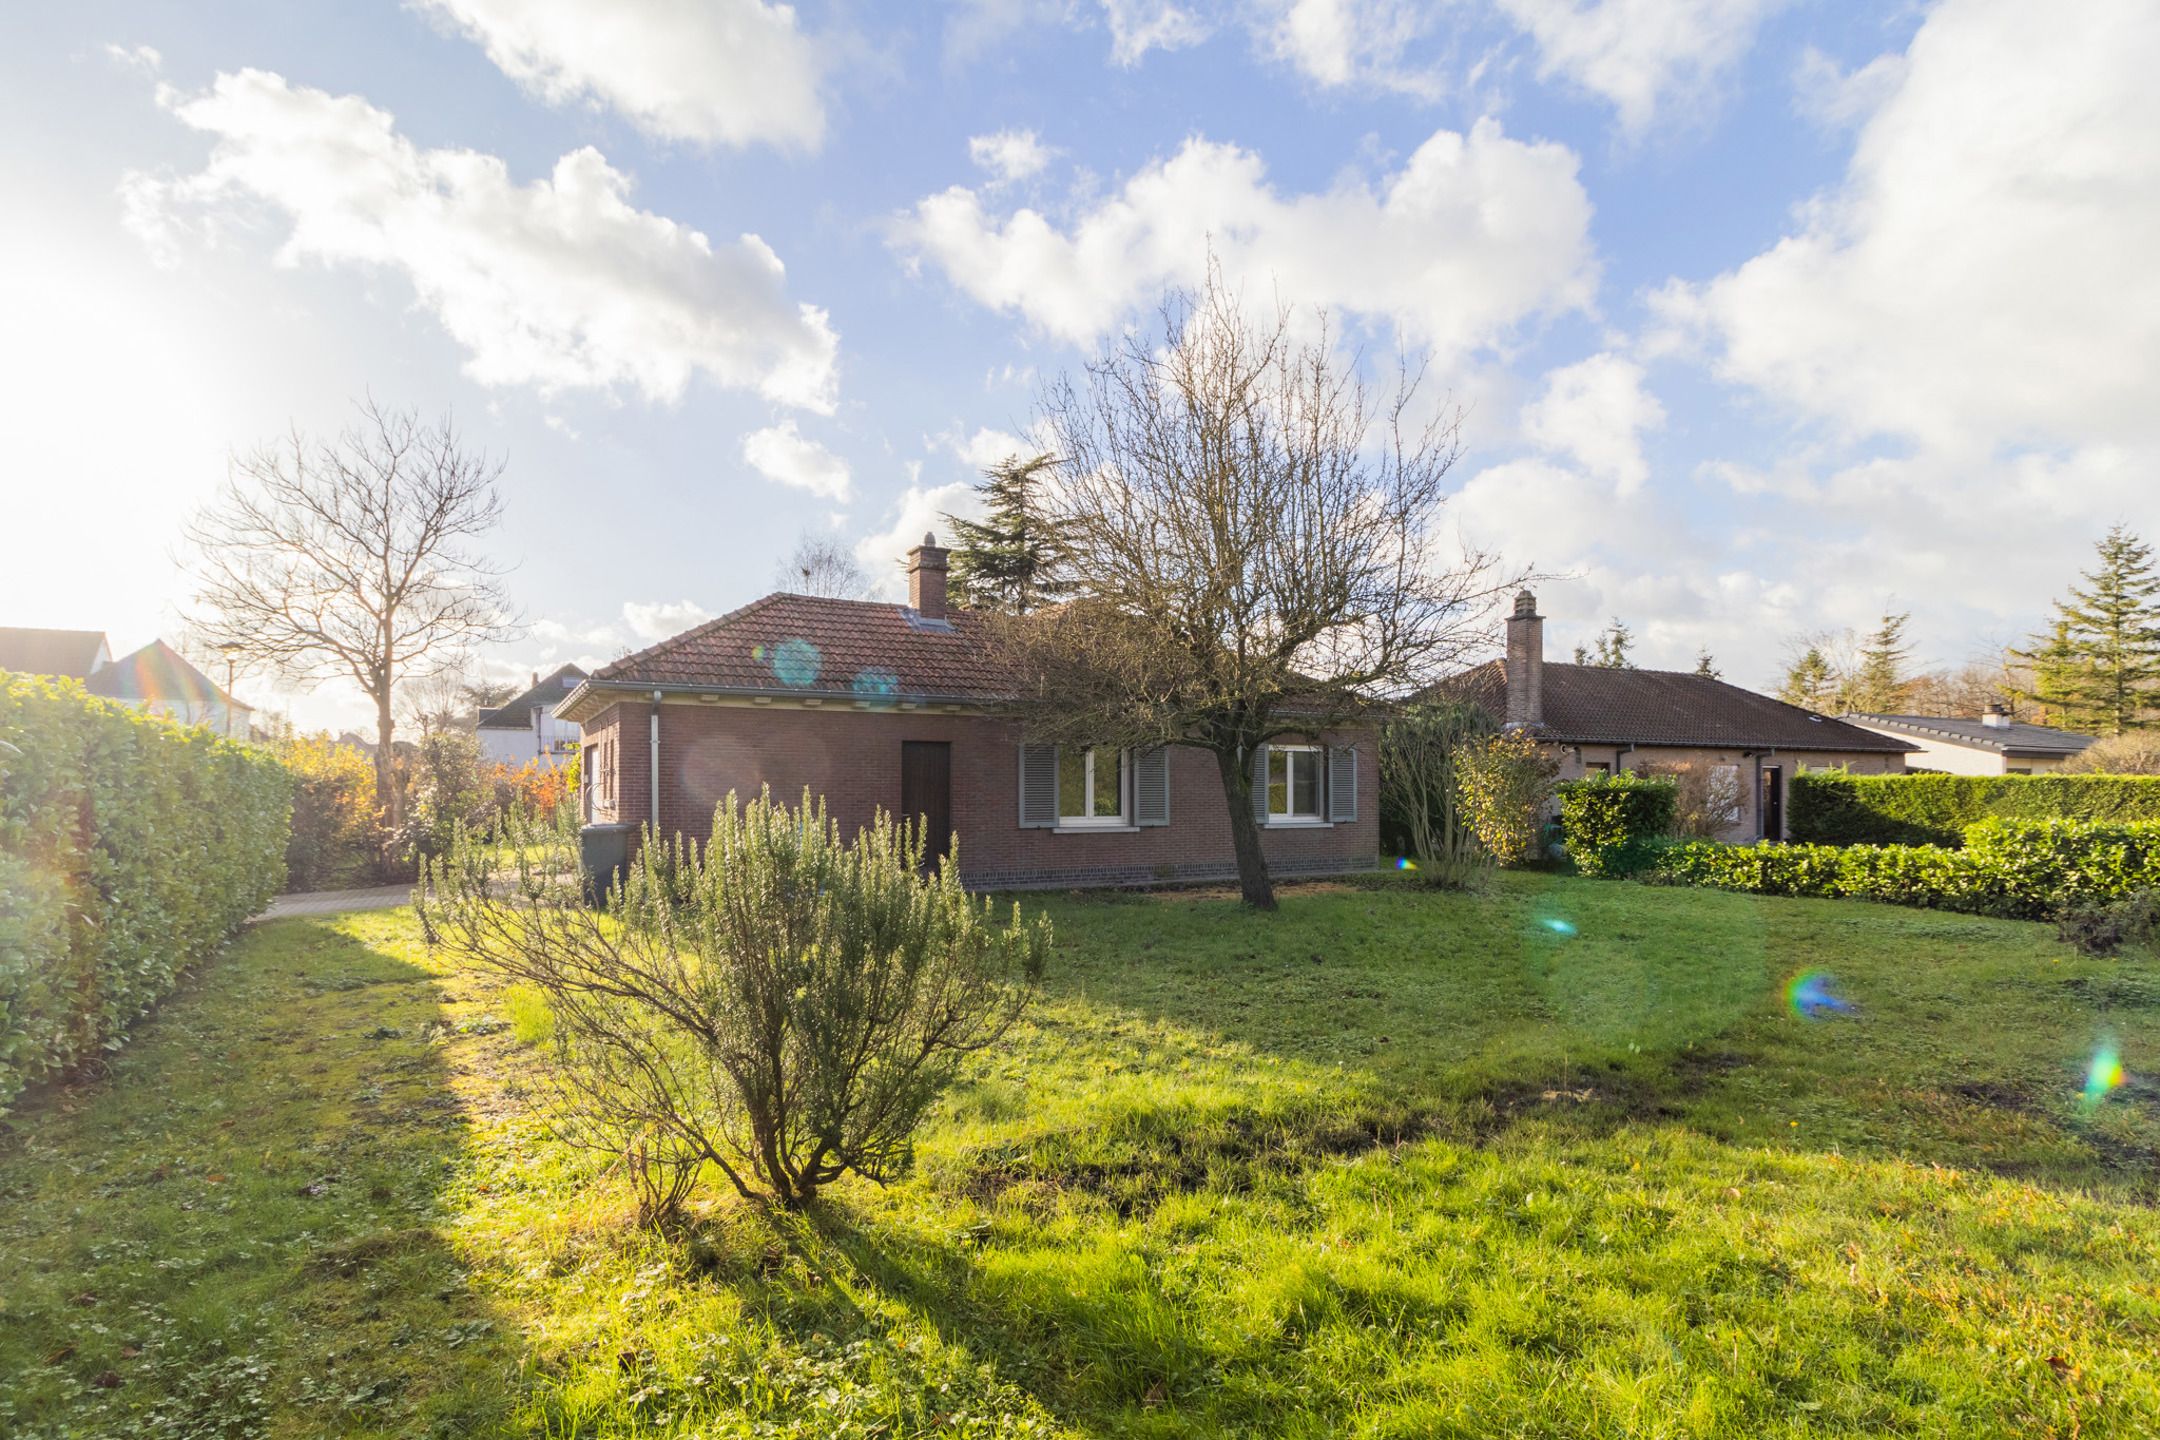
(2098, 668)
(1012, 560)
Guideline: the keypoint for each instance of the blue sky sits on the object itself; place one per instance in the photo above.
(1766, 315)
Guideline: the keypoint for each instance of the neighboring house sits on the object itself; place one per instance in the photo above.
(1994, 744)
(68, 654)
(1604, 720)
(896, 707)
(159, 679)
(530, 728)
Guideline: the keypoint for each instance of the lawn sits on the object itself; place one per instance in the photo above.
(1555, 1161)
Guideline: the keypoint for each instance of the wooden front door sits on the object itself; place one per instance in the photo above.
(926, 794)
(1773, 802)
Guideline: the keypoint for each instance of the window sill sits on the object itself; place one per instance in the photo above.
(1299, 824)
(1093, 829)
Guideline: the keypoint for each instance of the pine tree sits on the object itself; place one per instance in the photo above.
(1011, 561)
(1613, 644)
(1878, 684)
(1706, 666)
(2099, 667)
(1809, 680)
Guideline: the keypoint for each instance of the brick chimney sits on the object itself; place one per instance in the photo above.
(926, 578)
(1525, 663)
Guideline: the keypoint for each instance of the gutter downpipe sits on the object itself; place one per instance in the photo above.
(652, 806)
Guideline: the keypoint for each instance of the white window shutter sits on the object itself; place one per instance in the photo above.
(1259, 783)
(1038, 787)
(1342, 782)
(1151, 786)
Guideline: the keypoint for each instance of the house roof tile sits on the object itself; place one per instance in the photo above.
(1597, 705)
(809, 645)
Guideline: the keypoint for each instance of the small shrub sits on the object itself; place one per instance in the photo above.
(1707, 800)
(1505, 781)
(336, 838)
(2134, 752)
(448, 789)
(1422, 815)
(1608, 821)
(779, 1004)
(2105, 927)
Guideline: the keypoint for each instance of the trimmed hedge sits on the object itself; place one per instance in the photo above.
(2020, 869)
(130, 849)
(1608, 821)
(1830, 807)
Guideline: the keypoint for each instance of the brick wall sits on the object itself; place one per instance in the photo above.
(852, 758)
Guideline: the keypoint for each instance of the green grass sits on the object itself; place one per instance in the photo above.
(1385, 1164)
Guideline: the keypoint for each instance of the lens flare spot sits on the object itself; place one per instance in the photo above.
(2104, 1075)
(875, 683)
(1404, 862)
(1558, 926)
(794, 662)
(1812, 994)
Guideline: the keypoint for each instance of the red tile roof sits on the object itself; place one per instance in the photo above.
(807, 645)
(1596, 705)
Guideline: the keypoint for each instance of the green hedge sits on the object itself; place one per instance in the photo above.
(1830, 807)
(2023, 869)
(1608, 821)
(130, 848)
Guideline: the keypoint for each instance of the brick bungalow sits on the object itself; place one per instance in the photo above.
(873, 705)
(1604, 720)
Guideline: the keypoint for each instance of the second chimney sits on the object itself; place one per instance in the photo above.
(1525, 664)
(926, 578)
(1995, 717)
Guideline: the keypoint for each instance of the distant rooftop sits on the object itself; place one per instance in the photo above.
(2014, 738)
(74, 654)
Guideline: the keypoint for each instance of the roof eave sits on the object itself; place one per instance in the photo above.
(590, 697)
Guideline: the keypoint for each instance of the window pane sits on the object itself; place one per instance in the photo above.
(1278, 782)
(1072, 782)
(1109, 789)
(1305, 792)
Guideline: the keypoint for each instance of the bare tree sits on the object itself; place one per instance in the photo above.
(822, 566)
(354, 558)
(1254, 544)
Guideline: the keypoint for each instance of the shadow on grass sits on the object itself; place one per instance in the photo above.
(234, 1230)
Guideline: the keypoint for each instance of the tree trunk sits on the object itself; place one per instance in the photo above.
(1257, 890)
(389, 800)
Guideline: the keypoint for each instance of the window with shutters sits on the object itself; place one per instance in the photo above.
(1091, 786)
(1293, 783)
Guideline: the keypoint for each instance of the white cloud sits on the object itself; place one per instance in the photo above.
(1838, 99)
(142, 59)
(650, 622)
(1640, 55)
(1984, 276)
(920, 510)
(1966, 326)
(1345, 43)
(558, 284)
(725, 72)
(984, 448)
(1009, 155)
(785, 456)
(1474, 234)
(1596, 411)
(1138, 26)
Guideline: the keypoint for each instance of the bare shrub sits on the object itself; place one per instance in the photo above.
(1706, 805)
(1421, 804)
(778, 1004)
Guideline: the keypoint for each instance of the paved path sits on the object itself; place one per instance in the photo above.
(332, 902)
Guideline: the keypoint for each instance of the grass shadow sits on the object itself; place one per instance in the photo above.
(236, 1230)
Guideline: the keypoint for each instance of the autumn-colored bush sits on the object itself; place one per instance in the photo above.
(1505, 782)
(335, 837)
